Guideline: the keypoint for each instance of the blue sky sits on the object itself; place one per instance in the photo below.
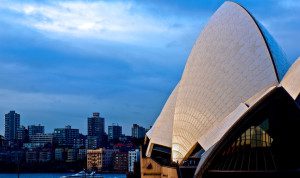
(62, 60)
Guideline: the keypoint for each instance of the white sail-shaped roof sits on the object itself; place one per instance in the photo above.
(229, 64)
(291, 80)
(162, 130)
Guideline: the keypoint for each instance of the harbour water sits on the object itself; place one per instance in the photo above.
(53, 175)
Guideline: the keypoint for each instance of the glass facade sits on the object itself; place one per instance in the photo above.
(252, 150)
(263, 143)
(161, 154)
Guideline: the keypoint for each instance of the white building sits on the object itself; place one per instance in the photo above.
(133, 157)
(238, 90)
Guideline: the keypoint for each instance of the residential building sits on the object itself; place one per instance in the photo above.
(45, 156)
(31, 156)
(81, 155)
(35, 129)
(12, 123)
(33, 145)
(65, 136)
(108, 158)
(16, 156)
(41, 139)
(138, 131)
(121, 161)
(22, 134)
(95, 131)
(114, 132)
(92, 142)
(133, 158)
(3, 143)
(71, 155)
(94, 159)
(80, 141)
(59, 154)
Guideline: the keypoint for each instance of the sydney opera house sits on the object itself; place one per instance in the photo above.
(235, 111)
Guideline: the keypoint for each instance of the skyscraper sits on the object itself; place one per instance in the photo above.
(12, 123)
(138, 131)
(95, 131)
(95, 125)
(114, 132)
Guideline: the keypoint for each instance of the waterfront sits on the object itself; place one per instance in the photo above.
(53, 175)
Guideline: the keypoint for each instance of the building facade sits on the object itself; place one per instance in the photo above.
(114, 132)
(35, 129)
(133, 158)
(95, 131)
(41, 139)
(138, 131)
(72, 155)
(120, 161)
(108, 159)
(32, 156)
(45, 156)
(66, 136)
(94, 159)
(60, 154)
(22, 134)
(12, 123)
(92, 142)
(81, 155)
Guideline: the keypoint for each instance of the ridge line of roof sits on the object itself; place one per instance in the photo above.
(264, 38)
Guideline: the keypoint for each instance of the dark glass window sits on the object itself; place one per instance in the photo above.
(264, 143)
(161, 154)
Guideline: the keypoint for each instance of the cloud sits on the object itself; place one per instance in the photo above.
(124, 22)
(62, 60)
(289, 4)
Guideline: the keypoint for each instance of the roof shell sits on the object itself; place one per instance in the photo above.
(162, 130)
(291, 81)
(278, 56)
(230, 62)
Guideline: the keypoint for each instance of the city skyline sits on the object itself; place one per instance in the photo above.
(67, 149)
(40, 128)
(119, 64)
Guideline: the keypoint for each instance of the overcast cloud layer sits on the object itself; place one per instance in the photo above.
(62, 60)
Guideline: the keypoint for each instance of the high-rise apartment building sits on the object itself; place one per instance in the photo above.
(138, 131)
(114, 132)
(95, 131)
(12, 123)
(65, 136)
(95, 125)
